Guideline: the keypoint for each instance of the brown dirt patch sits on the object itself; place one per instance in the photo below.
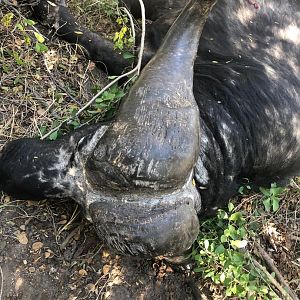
(48, 251)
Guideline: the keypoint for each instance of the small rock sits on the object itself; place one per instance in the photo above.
(31, 269)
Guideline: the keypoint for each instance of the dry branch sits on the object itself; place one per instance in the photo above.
(266, 257)
(274, 282)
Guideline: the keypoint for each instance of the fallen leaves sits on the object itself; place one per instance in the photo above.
(105, 269)
(22, 238)
(82, 272)
(49, 253)
(37, 246)
(91, 288)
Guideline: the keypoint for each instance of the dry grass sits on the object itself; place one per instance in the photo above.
(40, 89)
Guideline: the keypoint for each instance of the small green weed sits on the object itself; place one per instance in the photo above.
(271, 197)
(24, 26)
(244, 190)
(109, 7)
(220, 254)
(123, 38)
(107, 101)
(104, 108)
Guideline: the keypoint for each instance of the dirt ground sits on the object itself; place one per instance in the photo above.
(47, 249)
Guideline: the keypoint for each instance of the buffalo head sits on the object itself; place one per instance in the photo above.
(134, 176)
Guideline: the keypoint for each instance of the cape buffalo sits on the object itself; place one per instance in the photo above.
(218, 102)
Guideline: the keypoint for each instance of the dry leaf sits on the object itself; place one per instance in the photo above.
(117, 281)
(30, 203)
(62, 222)
(22, 238)
(77, 236)
(18, 284)
(82, 272)
(37, 246)
(50, 59)
(105, 254)
(105, 269)
(91, 288)
(6, 199)
(91, 66)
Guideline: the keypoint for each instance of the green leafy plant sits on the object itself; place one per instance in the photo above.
(109, 7)
(107, 101)
(104, 108)
(25, 27)
(123, 39)
(7, 19)
(221, 255)
(271, 197)
(244, 189)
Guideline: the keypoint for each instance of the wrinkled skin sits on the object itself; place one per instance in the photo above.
(184, 139)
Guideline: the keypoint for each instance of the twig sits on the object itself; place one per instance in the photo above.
(68, 238)
(73, 217)
(272, 266)
(271, 279)
(2, 281)
(295, 184)
(136, 70)
(57, 83)
(142, 45)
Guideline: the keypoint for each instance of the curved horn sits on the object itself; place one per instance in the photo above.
(155, 138)
(143, 201)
